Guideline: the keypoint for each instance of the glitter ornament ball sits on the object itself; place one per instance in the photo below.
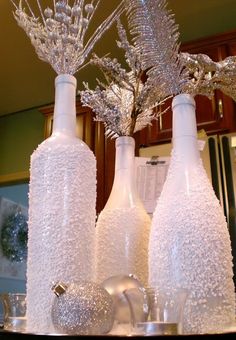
(83, 308)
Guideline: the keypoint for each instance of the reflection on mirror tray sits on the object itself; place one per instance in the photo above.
(14, 308)
(13, 237)
(118, 330)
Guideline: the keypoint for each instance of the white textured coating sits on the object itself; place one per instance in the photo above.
(61, 223)
(122, 236)
(190, 248)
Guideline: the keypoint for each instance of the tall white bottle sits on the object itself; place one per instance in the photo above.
(122, 230)
(189, 241)
(62, 213)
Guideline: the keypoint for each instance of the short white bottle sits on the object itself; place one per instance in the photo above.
(123, 226)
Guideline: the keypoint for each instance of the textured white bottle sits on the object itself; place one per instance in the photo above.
(122, 230)
(189, 241)
(62, 213)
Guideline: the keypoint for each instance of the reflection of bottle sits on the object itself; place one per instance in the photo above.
(122, 230)
(61, 210)
(189, 241)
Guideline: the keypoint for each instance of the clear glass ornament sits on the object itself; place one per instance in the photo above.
(189, 240)
(122, 230)
(62, 212)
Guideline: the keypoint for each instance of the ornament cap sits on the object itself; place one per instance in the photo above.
(59, 288)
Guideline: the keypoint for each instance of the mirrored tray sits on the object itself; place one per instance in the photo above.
(14, 334)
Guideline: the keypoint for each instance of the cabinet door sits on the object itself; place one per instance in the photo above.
(213, 114)
(232, 47)
(216, 114)
(161, 129)
(84, 123)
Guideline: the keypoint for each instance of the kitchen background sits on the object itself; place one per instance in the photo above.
(26, 106)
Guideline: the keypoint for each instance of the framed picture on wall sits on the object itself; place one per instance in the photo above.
(13, 239)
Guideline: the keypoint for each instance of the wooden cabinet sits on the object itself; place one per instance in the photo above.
(85, 124)
(216, 115)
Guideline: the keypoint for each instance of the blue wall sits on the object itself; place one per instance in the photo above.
(17, 193)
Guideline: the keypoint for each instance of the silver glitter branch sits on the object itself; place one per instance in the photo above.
(125, 103)
(156, 38)
(206, 76)
(59, 33)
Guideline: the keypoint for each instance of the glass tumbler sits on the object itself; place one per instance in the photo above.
(14, 311)
(156, 312)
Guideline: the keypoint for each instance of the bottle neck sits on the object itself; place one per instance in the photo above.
(64, 118)
(124, 162)
(124, 193)
(184, 140)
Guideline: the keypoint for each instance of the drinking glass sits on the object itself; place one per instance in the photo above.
(156, 312)
(14, 311)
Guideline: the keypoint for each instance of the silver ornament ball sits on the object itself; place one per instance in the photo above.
(115, 286)
(83, 308)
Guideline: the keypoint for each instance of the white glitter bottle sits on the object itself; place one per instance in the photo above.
(62, 214)
(122, 230)
(189, 241)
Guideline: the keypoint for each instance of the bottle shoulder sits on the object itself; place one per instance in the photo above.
(137, 214)
(61, 144)
(61, 139)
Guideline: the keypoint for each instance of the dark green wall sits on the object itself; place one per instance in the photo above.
(20, 134)
(203, 18)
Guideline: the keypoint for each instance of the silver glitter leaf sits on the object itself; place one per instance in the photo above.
(156, 38)
(206, 76)
(59, 33)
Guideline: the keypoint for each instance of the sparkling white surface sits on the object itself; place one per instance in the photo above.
(61, 223)
(190, 244)
(122, 237)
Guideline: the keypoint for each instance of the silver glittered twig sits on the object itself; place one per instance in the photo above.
(156, 38)
(125, 104)
(58, 33)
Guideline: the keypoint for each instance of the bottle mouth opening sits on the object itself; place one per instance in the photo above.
(183, 98)
(66, 78)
